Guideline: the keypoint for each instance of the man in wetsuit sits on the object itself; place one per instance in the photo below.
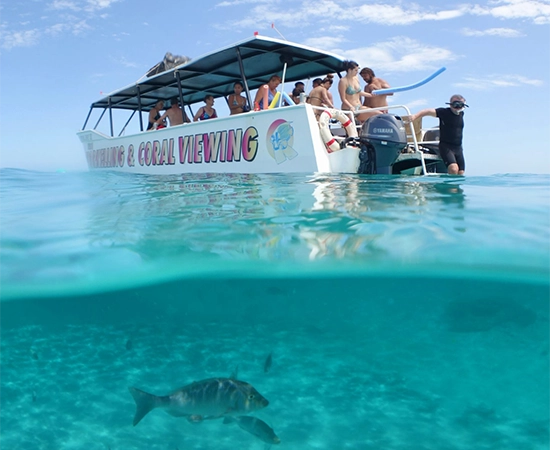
(451, 124)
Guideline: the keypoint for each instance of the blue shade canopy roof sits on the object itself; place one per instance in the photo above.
(215, 73)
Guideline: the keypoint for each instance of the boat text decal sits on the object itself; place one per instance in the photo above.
(221, 146)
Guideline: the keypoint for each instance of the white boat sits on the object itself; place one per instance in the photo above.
(276, 139)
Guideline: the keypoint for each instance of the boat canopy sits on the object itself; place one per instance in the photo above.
(252, 61)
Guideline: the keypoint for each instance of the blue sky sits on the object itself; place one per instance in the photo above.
(58, 56)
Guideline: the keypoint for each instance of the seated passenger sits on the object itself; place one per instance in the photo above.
(272, 84)
(299, 87)
(207, 111)
(295, 96)
(175, 114)
(155, 120)
(319, 96)
(236, 101)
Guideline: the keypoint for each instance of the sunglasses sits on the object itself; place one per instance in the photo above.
(457, 104)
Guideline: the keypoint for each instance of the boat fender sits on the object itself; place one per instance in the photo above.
(324, 120)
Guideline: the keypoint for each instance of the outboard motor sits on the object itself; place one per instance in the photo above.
(382, 139)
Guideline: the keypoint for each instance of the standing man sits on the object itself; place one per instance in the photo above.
(373, 84)
(451, 124)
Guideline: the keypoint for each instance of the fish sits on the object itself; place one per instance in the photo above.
(206, 399)
(255, 426)
(235, 374)
(268, 362)
(129, 344)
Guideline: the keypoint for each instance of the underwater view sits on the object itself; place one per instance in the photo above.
(301, 311)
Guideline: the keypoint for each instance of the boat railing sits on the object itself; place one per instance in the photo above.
(410, 137)
(358, 124)
(412, 140)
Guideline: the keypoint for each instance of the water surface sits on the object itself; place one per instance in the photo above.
(398, 310)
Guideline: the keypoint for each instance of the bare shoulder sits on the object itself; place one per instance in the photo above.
(383, 83)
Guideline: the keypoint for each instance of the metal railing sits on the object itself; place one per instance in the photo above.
(417, 150)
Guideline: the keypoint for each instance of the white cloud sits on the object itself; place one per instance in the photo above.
(19, 38)
(323, 12)
(123, 61)
(80, 5)
(396, 15)
(401, 54)
(57, 28)
(64, 4)
(72, 25)
(240, 2)
(263, 15)
(80, 27)
(497, 81)
(96, 5)
(537, 10)
(61, 16)
(412, 105)
(337, 28)
(499, 32)
(325, 42)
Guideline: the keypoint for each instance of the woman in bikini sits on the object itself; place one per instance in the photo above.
(350, 90)
(207, 111)
(236, 101)
(319, 96)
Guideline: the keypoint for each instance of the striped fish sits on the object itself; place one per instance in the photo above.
(206, 399)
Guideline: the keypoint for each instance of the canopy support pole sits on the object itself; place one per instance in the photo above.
(243, 76)
(127, 122)
(100, 117)
(139, 108)
(180, 91)
(283, 85)
(87, 118)
(111, 116)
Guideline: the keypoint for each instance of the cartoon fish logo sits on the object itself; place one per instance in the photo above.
(280, 139)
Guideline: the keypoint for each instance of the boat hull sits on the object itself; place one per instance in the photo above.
(271, 141)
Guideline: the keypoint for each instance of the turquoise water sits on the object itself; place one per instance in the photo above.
(400, 312)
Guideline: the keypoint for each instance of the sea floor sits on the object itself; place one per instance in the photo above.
(369, 375)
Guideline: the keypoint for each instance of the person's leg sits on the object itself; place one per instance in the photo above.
(459, 156)
(448, 157)
(452, 169)
(363, 117)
